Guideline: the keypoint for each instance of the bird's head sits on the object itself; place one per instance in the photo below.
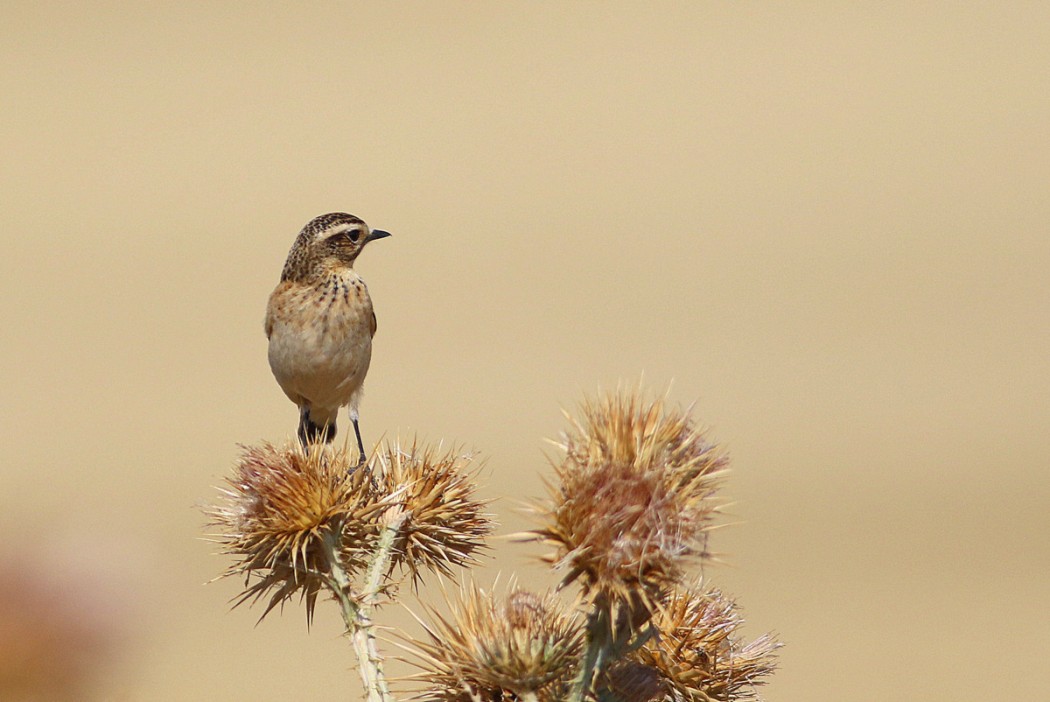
(330, 240)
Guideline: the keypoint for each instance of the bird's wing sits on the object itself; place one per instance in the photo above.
(272, 306)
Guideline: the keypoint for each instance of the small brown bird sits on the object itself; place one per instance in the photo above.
(320, 324)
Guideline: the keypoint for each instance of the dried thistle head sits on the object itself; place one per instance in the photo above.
(284, 512)
(698, 653)
(490, 649)
(630, 681)
(625, 428)
(631, 503)
(444, 524)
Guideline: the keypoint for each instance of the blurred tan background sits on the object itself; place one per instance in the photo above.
(826, 224)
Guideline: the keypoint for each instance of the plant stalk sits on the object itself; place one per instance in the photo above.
(594, 656)
(357, 607)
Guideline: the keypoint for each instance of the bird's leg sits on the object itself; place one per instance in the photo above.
(360, 444)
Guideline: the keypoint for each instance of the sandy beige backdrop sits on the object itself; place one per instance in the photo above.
(827, 224)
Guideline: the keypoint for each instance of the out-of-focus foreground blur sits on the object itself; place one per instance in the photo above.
(825, 224)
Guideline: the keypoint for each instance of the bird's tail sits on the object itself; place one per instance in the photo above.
(314, 428)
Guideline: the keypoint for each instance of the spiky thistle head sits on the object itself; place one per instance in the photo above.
(625, 428)
(631, 503)
(630, 681)
(493, 648)
(444, 523)
(698, 653)
(283, 513)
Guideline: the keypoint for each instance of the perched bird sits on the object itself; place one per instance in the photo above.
(320, 324)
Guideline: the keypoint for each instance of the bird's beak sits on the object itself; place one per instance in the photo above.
(376, 234)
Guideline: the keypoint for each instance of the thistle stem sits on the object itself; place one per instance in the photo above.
(357, 607)
(594, 656)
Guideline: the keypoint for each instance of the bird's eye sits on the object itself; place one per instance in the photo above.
(353, 235)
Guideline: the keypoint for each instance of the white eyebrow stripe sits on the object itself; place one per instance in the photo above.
(343, 229)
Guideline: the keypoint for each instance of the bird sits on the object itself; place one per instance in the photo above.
(320, 323)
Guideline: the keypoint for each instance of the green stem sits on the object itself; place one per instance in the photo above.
(357, 609)
(594, 656)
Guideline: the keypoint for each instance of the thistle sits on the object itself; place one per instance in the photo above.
(698, 653)
(300, 522)
(629, 510)
(630, 681)
(288, 518)
(522, 646)
(444, 523)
